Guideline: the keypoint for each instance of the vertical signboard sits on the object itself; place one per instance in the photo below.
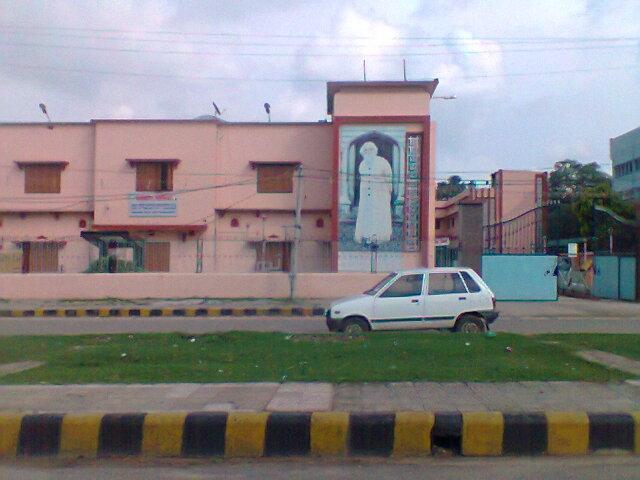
(411, 241)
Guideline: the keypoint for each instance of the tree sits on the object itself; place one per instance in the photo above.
(600, 224)
(577, 188)
(452, 187)
(570, 177)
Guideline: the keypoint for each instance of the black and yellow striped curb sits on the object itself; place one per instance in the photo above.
(165, 312)
(255, 434)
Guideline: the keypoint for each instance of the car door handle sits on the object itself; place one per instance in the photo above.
(415, 300)
(462, 298)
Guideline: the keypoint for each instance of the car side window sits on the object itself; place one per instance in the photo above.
(472, 285)
(405, 286)
(445, 283)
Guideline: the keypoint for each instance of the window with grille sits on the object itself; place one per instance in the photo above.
(273, 256)
(40, 257)
(154, 177)
(275, 178)
(42, 178)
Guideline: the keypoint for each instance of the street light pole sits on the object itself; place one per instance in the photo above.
(297, 228)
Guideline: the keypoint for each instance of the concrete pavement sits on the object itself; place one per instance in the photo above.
(564, 307)
(308, 397)
(504, 468)
(567, 315)
(200, 325)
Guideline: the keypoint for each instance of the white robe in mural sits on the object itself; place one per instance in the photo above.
(374, 209)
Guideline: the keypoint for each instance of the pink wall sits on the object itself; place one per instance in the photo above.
(75, 253)
(364, 102)
(181, 285)
(193, 143)
(516, 192)
(233, 252)
(310, 144)
(72, 143)
(431, 247)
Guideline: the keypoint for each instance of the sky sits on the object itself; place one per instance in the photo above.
(535, 82)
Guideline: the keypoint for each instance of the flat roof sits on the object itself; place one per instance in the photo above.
(334, 87)
(151, 120)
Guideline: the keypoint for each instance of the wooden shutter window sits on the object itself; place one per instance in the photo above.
(154, 177)
(275, 178)
(42, 178)
(157, 256)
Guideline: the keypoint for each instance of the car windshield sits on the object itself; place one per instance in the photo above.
(376, 288)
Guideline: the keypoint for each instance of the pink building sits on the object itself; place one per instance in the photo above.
(502, 218)
(207, 195)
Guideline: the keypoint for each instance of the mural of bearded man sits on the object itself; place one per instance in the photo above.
(373, 223)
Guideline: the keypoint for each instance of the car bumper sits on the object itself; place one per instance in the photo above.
(490, 316)
(333, 324)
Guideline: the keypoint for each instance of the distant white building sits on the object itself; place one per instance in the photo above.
(625, 156)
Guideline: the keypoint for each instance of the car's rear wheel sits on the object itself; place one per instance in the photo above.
(470, 324)
(355, 326)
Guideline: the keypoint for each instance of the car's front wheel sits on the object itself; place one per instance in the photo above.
(470, 324)
(355, 326)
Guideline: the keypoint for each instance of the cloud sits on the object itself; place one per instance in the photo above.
(499, 120)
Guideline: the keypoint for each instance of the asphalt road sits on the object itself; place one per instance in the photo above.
(196, 325)
(583, 468)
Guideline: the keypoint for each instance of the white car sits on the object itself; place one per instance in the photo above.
(442, 298)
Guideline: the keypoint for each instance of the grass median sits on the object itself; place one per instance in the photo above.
(261, 357)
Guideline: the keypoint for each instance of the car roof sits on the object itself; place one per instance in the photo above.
(434, 270)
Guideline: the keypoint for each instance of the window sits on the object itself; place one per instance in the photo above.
(445, 283)
(275, 178)
(438, 224)
(40, 257)
(405, 286)
(42, 178)
(157, 256)
(273, 256)
(378, 286)
(471, 283)
(154, 177)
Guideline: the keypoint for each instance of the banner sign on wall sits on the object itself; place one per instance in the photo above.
(379, 197)
(412, 195)
(153, 205)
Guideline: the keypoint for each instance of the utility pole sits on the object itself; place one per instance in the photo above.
(297, 229)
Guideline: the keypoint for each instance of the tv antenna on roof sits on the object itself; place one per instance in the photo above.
(216, 110)
(43, 107)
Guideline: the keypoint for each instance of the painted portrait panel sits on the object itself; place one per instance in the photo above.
(373, 202)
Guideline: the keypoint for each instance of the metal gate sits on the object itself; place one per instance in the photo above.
(526, 277)
(614, 277)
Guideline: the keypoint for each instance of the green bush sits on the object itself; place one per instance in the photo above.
(101, 265)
